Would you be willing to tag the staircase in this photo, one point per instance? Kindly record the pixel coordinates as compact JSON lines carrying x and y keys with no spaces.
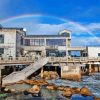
{"x":23,"y":74}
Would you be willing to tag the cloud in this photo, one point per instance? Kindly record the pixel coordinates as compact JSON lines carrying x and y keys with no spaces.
{"x":94,"y":27}
{"x":81,"y":35}
{"x":85,"y":41}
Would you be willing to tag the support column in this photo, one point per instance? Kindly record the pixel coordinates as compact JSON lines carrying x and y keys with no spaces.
{"x":1,"y":67}
{"x":99,"y":68}
{"x":96,"y":68}
{"x":14,"y":68}
{"x":42,"y":72}
{"x":90,"y":68}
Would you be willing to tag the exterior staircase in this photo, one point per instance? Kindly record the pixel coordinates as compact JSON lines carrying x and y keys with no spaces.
{"x":23,"y":74}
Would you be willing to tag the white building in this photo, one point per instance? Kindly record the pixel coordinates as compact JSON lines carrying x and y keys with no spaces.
{"x":11,"y":42}
{"x":49,"y":45}
{"x":93,"y":51}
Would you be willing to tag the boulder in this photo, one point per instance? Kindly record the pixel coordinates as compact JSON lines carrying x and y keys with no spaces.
{"x":35,"y":89}
{"x":85,"y":91}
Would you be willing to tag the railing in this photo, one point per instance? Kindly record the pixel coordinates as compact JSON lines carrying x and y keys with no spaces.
{"x":17,"y":60}
{"x":51,"y":59}
{"x":73,"y":59}
{"x":51,"y":47}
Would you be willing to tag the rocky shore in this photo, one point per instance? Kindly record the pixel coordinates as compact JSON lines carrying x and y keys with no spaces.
{"x":66,"y":91}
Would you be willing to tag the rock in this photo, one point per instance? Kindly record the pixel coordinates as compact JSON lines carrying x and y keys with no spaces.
{"x":85,"y":91}
{"x":19,"y":82}
{"x":67,"y":92}
{"x":35,"y":89}
{"x":12,"y":90}
{"x":76,"y":90}
{"x":61,"y":88}
{"x":95,"y":98}
{"x":51,"y":87}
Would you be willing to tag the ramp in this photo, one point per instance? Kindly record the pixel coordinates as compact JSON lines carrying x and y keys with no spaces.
{"x":23,"y":74}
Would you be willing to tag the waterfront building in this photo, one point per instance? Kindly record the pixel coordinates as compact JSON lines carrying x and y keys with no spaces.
{"x":48,"y":45}
{"x":93,"y":51}
{"x":14,"y":42}
{"x":11,"y":42}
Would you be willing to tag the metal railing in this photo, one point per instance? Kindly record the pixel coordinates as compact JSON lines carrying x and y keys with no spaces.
{"x":51,"y":59}
{"x":73,"y":59}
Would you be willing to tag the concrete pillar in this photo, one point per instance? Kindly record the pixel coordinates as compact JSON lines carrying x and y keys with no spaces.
{"x":99,"y":68}
{"x":14,"y":68}
{"x":90,"y":68}
{"x":69,"y":53}
{"x":42,"y":72}
{"x":0,"y":78}
{"x":96,"y":68}
{"x":1,"y":67}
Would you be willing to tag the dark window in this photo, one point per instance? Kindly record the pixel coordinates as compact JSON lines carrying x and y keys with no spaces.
{"x":99,"y":54}
{"x":21,"y":40}
{"x":37,"y":42}
{"x":1,"y":50}
{"x":1,"y":38}
{"x":27,"y":42}
{"x":56,"y":42}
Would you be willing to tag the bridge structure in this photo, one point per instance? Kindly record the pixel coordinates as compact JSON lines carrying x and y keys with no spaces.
{"x":29,"y":60}
{"x":34,"y":65}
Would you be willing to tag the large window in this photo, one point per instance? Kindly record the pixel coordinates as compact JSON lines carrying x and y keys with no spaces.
{"x":1,"y":51}
{"x":56,"y":42}
{"x":37,"y":42}
{"x":98,"y":54}
{"x":27,"y":42}
{"x":1,"y":38}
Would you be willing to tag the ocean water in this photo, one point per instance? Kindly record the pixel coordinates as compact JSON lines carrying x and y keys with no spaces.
{"x":88,"y":81}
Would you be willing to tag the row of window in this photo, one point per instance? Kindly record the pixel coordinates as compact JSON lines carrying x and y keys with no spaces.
{"x":49,"y":42}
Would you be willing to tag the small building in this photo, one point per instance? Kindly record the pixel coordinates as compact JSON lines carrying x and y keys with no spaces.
{"x":93,"y":51}
{"x":11,"y":42}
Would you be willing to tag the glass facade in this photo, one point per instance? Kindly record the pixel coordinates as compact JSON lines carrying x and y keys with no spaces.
{"x":56,"y":42}
{"x":27,"y":42}
{"x":1,"y":38}
{"x":37,"y":42}
{"x":55,"y":53}
{"x":34,"y":42}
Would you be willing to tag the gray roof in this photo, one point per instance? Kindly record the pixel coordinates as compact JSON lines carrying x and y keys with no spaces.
{"x":46,"y":36}
{"x":17,"y":28}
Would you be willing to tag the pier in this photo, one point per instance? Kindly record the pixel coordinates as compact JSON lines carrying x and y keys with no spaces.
{"x":92,"y":66}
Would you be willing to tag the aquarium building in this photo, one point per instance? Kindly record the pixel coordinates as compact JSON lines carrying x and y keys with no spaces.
{"x":48,"y":45}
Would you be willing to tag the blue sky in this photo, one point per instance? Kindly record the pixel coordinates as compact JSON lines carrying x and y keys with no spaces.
{"x":82,"y":17}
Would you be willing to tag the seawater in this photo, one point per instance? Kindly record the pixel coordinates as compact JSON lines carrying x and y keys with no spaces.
{"x":88,"y":81}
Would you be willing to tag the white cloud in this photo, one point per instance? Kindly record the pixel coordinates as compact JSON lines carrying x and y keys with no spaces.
{"x":77,"y":29}
{"x":85,"y":41}
{"x":94,"y":27}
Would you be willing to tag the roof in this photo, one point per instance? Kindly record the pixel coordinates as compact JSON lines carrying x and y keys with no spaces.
{"x":46,"y":36}
{"x":17,"y":28}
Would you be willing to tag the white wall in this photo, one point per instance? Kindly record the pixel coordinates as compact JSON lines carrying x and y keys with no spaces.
{"x":9,"y":43}
{"x":93,"y":51}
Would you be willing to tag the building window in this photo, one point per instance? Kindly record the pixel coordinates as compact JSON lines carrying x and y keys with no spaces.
{"x":21,"y":40}
{"x":56,"y":42}
{"x":1,"y":51}
{"x":1,"y":38}
{"x":98,"y":54}
{"x":37,"y":42}
{"x":27,"y":42}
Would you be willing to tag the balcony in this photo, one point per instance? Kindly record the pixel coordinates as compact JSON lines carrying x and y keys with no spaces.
{"x":52,"y":47}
